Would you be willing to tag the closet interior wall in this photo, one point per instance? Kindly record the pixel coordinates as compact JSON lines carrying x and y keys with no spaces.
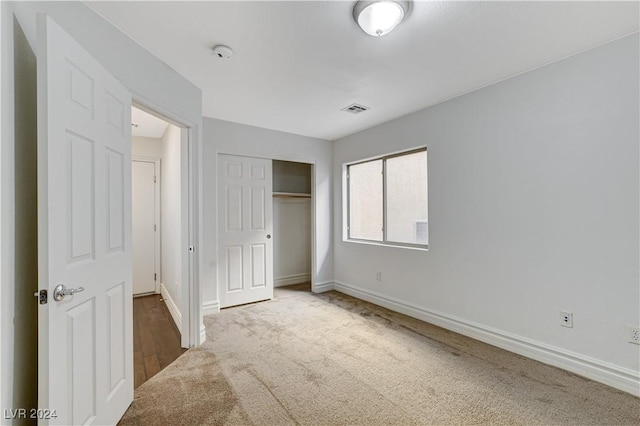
{"x":291,"y":223}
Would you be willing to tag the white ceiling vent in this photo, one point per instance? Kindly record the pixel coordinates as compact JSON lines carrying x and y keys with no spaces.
{"x":356,"y":109}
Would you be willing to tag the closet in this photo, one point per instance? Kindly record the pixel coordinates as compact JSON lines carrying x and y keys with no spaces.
{"x":291,"y":223}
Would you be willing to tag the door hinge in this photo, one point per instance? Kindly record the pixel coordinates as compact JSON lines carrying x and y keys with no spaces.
{"x":42,"y":296}
{"x":154,"y":228}
{"x":155,"y":277}
{"x":154,"y":179}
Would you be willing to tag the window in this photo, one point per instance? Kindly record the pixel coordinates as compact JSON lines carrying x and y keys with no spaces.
{"x":387,"y":200}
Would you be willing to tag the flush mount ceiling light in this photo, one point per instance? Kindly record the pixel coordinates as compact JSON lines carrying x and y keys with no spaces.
{"x":379,"y":17}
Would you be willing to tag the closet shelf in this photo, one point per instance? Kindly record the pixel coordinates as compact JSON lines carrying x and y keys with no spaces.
{"x":291,"y":195}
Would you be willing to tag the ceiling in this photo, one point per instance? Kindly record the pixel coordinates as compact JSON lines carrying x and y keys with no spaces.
{"x":147,"y":125}
{"x":297,"y":64}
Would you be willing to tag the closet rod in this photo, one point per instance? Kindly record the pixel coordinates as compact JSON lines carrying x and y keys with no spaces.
{"x":291,"y":195}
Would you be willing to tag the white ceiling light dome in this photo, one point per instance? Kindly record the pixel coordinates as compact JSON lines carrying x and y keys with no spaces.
{"x":379,"y":17}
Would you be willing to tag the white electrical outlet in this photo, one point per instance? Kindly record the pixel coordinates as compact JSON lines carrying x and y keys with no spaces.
{"x":378,"y":276}
{"x":633,"y":334}
{"x":566,"y":319}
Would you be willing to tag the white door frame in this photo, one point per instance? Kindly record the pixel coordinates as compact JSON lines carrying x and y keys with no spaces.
{"x":192,"y":333}
{"x":157,"y":238}
{"x":314,"y":273}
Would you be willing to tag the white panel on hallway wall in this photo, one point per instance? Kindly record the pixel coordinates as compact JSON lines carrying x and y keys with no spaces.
{"x":292,"y":240}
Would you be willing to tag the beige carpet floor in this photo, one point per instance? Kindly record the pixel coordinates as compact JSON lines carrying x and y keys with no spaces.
{"x":330,"y":359}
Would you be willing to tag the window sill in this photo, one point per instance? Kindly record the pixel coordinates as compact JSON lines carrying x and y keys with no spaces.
{"x":390,"y":245}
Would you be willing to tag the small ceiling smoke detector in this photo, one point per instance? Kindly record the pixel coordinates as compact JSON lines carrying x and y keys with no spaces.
{"x":356,"y":109}
{"x":223,"y":52}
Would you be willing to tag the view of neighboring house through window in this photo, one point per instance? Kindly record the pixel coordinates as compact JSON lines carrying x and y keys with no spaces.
{"x":387,"y":199}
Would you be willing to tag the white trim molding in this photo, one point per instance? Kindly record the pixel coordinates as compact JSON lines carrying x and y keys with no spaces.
{"x":203,"y":333}
{"x":191,"y":229}
{"x":292,"y":279}
{"x":173,"y":308}
{"x":323,"y":286}
{"x":621,"y":378}
{"x":210,"y":307}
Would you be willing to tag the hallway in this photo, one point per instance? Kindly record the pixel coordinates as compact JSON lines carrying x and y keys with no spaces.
{"x":156,"y":339}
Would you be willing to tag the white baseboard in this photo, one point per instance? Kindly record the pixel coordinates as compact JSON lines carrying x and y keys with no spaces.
{"x":323,"y":286}
{"x":612,"y":375}
{"x":210,"y":307}
{"x":291,"y":279}
{"x":203,"y":334}
{"x":173,"y":308}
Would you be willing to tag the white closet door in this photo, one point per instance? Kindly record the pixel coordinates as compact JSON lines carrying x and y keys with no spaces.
{"x":245,"y":260}
{"x":144,"y":226}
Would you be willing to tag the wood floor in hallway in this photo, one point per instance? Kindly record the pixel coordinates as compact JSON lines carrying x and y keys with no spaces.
{"x":156,"y":339}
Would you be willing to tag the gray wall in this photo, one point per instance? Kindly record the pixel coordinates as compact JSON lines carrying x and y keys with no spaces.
{"x":171,"y":215}
{"x":19,"y":218}
{"x":533,"y":198}
{"x":291,"y":224}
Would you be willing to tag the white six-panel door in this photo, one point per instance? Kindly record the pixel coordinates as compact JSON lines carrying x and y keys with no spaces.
{"x":85,"y":354}
{"x":245,"y":225}
{"x":143,"y":175}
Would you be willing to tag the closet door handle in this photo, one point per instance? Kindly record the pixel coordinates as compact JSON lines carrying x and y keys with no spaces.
{"x":268,"y":236}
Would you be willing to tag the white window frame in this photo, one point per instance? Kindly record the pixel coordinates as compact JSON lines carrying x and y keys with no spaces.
{"x":346,"y":202}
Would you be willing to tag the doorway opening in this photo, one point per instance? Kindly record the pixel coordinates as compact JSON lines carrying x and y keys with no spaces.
{"x":160,"y":264}
{"x":292,"y":225}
